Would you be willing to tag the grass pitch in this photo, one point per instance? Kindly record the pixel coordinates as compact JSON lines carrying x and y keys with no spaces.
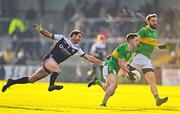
{"x":78,"y":99}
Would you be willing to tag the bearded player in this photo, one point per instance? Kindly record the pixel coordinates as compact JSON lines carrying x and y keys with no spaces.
{"x":142,"y":59}
{"x":64,"y":48}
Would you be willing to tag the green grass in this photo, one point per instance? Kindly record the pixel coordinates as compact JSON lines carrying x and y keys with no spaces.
{"x":77,"y":98}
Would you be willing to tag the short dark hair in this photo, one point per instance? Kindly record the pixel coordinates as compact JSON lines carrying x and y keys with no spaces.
{"x":131,"y":36}
{"x":76,"y":31}
{"x":148,"y":17}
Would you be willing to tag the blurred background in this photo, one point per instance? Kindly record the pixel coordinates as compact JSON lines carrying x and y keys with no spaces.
{"x":103,"y":22}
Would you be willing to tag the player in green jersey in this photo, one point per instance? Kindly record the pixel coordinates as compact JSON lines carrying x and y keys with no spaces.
{"x":118,"y":61}
{"x":142,"y":57}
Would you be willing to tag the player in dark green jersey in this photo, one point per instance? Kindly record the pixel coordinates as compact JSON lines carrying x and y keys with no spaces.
{"x":118,"y":61}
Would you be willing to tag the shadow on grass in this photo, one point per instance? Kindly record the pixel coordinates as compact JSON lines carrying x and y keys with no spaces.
{"x":169,"y":108}
{"x":27,"y":108}
{"x":94,"y":108}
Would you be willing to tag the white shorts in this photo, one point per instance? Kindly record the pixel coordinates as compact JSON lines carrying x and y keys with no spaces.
{"x":141,"y":62}
{"x":108,"y":70}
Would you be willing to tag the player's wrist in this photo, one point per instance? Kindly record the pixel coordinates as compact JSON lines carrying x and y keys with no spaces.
{"x":41,"y":30}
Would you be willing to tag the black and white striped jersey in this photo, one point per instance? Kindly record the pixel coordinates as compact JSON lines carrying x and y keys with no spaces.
{"x":63,"y":49}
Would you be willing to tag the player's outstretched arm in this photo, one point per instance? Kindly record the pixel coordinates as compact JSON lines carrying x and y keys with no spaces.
{"x":44,"y":32}
{"x":94,"y":60}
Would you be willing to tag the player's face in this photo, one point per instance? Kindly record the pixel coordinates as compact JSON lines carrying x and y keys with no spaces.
{"x":153,"y":22}
{"x":102,"y":38}
{"x":134,"y":42}
{"x":77,"y":38}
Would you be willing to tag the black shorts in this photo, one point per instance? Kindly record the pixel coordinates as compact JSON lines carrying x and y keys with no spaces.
{"x":48,"y":56}
{"x":44,"y":59}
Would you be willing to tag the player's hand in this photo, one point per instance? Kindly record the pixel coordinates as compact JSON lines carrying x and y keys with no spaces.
{"x":164,"y":46}
{"x":122,"y":74}
{"x":37,"y":27}
{"x":108,"y":57}
{"x":131,"y":76}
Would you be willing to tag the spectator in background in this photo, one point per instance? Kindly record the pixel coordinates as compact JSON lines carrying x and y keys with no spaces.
{"x":29,"y":43}
{"x":169,"y":19}
{"x":21,"y":59}
{"x":68,"y":12}
{"x":78,"y":19}
{"x":31,"y":14}
{"x":16,"y":23}
{"x":98,"y":49}
{"x":16,"y":28}
{"x":166,"y":33}
{"x":2,"y":72}
{"x":7,"y":57}
{"x":175,"y":60}
{"x":103,"y":11}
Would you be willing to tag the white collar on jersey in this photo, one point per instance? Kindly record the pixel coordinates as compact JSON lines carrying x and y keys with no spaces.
{"x":72,"y":44}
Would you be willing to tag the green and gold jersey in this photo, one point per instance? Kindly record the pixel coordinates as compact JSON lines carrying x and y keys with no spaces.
{"x":148,"y":41}
{"x":122,"y":52}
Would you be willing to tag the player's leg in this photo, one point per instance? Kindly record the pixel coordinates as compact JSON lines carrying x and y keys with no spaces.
{"x":52,"y":67}
{"x":37,"y":75}
{"x":111,"y":80}
{"x":141,"y":61}
{"x":148,"y":71}
{"x":150,"y":77}
{"x":97,"y":81}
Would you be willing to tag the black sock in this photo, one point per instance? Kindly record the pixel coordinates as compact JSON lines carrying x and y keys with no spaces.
{"x":22,"y":80}
{"x":53,"y":78}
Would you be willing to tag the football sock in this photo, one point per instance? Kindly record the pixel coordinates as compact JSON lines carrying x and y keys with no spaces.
{"x":53,"y":78}
{"x":22,"y":80}
{"x":156,"y":97}
{"x":104,"y":101}
{"x":98,"y":82}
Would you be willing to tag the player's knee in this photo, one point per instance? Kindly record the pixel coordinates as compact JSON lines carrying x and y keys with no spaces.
{"x":57,"y":71}
{"x":152,"y":82}
{"x":151,"y":79}
{"x":114,"y":85}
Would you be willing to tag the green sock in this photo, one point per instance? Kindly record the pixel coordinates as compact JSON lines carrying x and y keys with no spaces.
{"x":156,"y":97}
{"x":104,"y":101}
{"x":98,"y":82}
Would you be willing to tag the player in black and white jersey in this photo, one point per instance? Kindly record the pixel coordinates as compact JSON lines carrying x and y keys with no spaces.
{"x":62,"y":50}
